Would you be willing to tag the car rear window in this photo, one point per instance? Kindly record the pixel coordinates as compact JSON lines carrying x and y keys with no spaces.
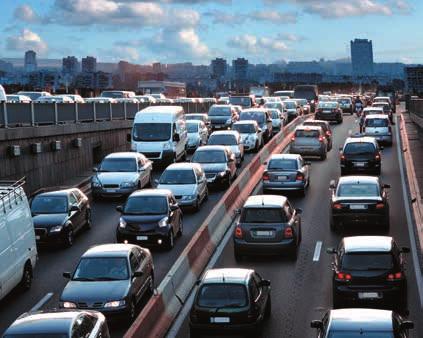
{"x":367,"y":261}
{"x":283,"y":164}
{"x":252,"y":115}
{"x":357,"y":148}
{"x":376,"y":123}
{"x":344,"y":101}
{"x":358,"y":190}
{"x":182,"y":176}
{"x":327,"y":105}
{"x":263,"y":215}
{"x":359,"y":333}
{"x":315,"y":124}
{"x":220,"y":111}
{"x":222,"y":295}
{"x":307,"y":133}
{"x":223,"y":140}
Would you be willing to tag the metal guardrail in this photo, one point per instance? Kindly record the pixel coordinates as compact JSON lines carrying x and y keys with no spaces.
{"x":9,"y":190}
{"x":33,"y":114}
{"x":415,"y":108}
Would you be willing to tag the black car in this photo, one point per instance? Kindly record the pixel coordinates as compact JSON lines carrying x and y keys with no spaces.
{"x":369,"y":270}
{"x":268,"y":225}
{"x":360,"y":323}
{"x":59,"y":324}
{"x":110,"y":278}
{"x":222,"y":116}
{"x":230,"y":301}
{"x":359,"y":200}
{"x":326,"y":128}
{"x":329,"y":111}
{"x":59,"y":215}
{"x":151,"y":217}
{"x":360,"y":155}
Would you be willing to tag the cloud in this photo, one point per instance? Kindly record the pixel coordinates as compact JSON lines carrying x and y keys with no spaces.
{"x":255,"y":45}
{"x":25,"y":41}
{"x":291,"y":37}
{"x":26,"y":14}
{"x":120,"y":52}
{"x":275,"y":17}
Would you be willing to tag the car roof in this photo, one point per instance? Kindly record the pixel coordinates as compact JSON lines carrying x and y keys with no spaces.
{"x":326,"y":102}
{"x":228,"y":275}
{"x":318,"y":122}
{"x":151,"y":192}
{"x":208,"y":147}
{"x":63,"y":192}
{"x":302,"y":127}
{"x":382,"y":97}
{"x":222,"y":105}
{"x":262,"y":110}
{"x":123,"y":154}
{"x":284,"y":157}
{"x":183,"y":166}
{"x":162,"y":109}
{"x":193,"y":121}
{"x":377,"y":116}
{"x":109,"y":250}
{"x":363,"y":139}
{"x":225,"y":132}
{"x":265,"y":201}
{"x":194,"y":114}
{"x":246,"y":122}
{"x":360,"y":320}
{"x":358,"y":179}
{"x":373,"y":108}
{"x":367,"y":244}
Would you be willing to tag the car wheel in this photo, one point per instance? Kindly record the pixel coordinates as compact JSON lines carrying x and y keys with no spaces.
{"x":150,"y":181}
{"x":238,"y":257}
{"x":26,"y":280}
{"x":294,"y":253}
{"x":343,"y":172}
{"x":333,"y":225}
{"x":131,"y":311}
{"x":184,"y":156}
{"x":257,"y":147}
{"x":268,"y":310}
{"x":88,"y":222}
{"x":197,"y":204}
{"x":386,"y":224}
{"x":170,"y":242}
{"x":206,"y":196}
{"x":181,"y":227}
{"x":378,"y":172}
{"x":69,"y":236}
{"x":302,"y":192}
{"x":323,"y":156}
{"x":336,"y":302}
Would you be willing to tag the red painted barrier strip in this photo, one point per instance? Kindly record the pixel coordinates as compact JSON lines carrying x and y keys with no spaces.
{"x":254,"y":166}
{"x":198,"y":249}
{"x":231,"y":197}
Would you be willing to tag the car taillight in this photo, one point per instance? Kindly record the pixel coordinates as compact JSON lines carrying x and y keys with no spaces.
{"x":377,"y":157}
{"x":343,"y":277}
{"x":238,"y":232}
{"x":288,"y":233}
{"x":342,"y":157}
{"x":337,"y":206}
{"x":380,"y":206}
{"x":394,"y":276}
{"x":328,"y":133}
{"x":299,"y":177}
{"x":321,"y":138}
{"x":292,"y":138}
{"x":265,"y":176}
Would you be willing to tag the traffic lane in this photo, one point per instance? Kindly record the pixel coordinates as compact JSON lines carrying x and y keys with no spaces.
{"x":53,"y":262}
{"x":301,"y":290}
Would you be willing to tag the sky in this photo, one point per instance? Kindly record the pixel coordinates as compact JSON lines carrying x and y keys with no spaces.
{"x":171,"y":31}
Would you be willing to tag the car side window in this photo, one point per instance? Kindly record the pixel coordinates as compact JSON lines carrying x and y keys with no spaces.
{"x":287,"y":211}
{"x":140,"y":255}
{"x":83,"y":326}
{"x":134,"y":262}
{"x":253,"y":289}
{"x":78,"y":195}
{"x":72,"y":199}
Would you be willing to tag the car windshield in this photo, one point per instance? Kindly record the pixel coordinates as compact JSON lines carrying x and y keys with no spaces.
{"x":263,"y":215}
{"x":244,"y":128}
{"x":282,"y":164}
{"x":32,"y":96}
{"x":274,"y":105}
{"x":101,"y":269}
{"x":240,"y":101}
{"x":192,"y":127}
{"x":49,"y":205}
{"x":290,"y":105}
{"x":367,"y":261}
{"x":150,"y":132}
{"x":223,"y":140}
{"x":359,"y":333}
{"x":194,"y":117}
{"x":253,"y":115}
{"x":220,"y":111}
{"x":37,"y":335}
{"x":127,"y":165}
{"x":376,"y":123}
{"x":112,"y":95}
{"x":178,"y":176}
{"x":327,"y":105}
{"x":222,"y":295}
{"x":359,"y":148}
{"x":344,"y":101}
{"x":358,"y":190}
{"x":146,"y":205}
{"x":209,"y":156}
{"x":307,"y":133}
{"x":275,"y":114}
{"x":305,"y":94}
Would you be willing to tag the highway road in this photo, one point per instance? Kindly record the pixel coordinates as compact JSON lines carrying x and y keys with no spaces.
{"x":53,"y":262}
{"x":301,"y":290}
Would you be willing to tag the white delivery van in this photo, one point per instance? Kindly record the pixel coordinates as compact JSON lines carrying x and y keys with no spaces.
{"x":18,"y":250}
{"x":159,"y":132}
{"x":3,"y":97}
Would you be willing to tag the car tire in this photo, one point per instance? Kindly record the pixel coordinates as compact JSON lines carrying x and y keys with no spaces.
{"x":386,"y":224}
{"x":378,"y":172}
{"x":194,"y":333}
{"x":69,"y":237}
{"x":170,"y":241}
{"x":206,"y":196}
{"x":343,"y":172}
{"x":302,"y":192}
{"x":197,"y":204}
{"x":333,"y":225}
{"x":337,"y":304}
{"x":238,"y":257}
{"x":181,"y":228}
{"x":150,"y":181}
{"x":257,"y":147}
{"x":323,"y":156}
{"x":26,"y":281}
{"x":294,"y":253}
{"x":184,"y":156}
{"x":88,"y":222}
{"x":268,"y":310}
{"x":131,"y":311}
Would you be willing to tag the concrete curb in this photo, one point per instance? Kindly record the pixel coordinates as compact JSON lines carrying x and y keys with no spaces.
{"x":157,"y":316}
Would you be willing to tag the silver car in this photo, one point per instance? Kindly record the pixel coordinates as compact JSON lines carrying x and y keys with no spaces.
{"x":378,"y":126}
{"x":278,"y":120}
{"x":120,"y":174}
{"x":251,"y":134}
{"x":197,"y":134}
{"x":231,"y":139}
{"x":309,"y":141}
{"x":187,"y":182}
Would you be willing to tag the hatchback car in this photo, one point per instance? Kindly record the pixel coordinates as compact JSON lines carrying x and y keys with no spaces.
{"x":379,"y":127}
{"x":372,"y":111}
{"x":187,"y":182}
{"x":120,"y":174}
{"x":200,"y":117}
{"x":59,"y":215}
{"x":251,"y":134}
{"x":151,"y":217}
{"x":264,"y":119}
{"x":59,"y":324}
{"x":197,"y":134}
{"x":329,"y":111}
{"x":360,"y":155}
{"x":231,"y":139}
{"x":278,"y":120}
{"x":369,"y":270}
{"x":293,"y":109}
{"x":326,"y":129}
{"x":360,"y":323}
{"x":268,"y":224}
{"x":309,"y":141}
{"x":359,"y":200}
{"x":230,"y":301}
{"x":346,"y":104}
{"x":218,"y":163}
{"x":222,"y":116}
{"x":286,"y":172}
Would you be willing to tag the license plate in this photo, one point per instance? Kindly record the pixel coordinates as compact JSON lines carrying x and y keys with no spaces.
{"x":209,"y":180}
{"x":142,"y":238}
{"x":264,"y":233}
{"x":327,"y":111}
{"x":37,"y":238}
{"x":220,"y":320}
{"x":369,"y":295}
{"x":111,"y":190}
{"x":282,"y":178}
{"x":359,"y":164}
{"x":358,"y":206}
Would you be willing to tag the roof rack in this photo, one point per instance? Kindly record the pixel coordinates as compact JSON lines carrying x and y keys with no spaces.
{"x":9,"y":190}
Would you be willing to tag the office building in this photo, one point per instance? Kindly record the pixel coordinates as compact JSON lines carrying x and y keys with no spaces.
{"x":218,"y":67}
{"x":240,"y":69}
{"x":89,"y":64}
{"x":414,"y":80}
{"x":362,"y":57}
{"x":70,"y":65}
{"x":30,"y":63}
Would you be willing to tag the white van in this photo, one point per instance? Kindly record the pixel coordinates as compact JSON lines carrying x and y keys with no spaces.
{"x":3,"y":97}
{"x":18,"y":250}
{"x":160,"y":133}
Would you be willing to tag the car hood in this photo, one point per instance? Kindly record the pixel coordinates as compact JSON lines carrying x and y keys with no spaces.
{"x":179,"y":189}
{"x":213,"y":167}
{"x":49,"y":220}
{"x":245,"y":136}
{"x":101,"y":291}
{"x":290,"y":111}
{"x":116,"y":178}
{"x":219,"y":119}
{"x":193,"y":137}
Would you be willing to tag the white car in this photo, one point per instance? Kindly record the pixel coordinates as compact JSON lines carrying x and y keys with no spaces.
{"x":197,"y":134}
{"x":379,"y":127}
{"x":231,"y":139}
{"x":278,"y":120}
{"x":127,"y":100}
{"x":372,"y":110}
{"x":33,"y":95}
{"x":54,"y":99}
{"x":100,"y":100}
{"x":76,"y":98}
{"x":15,"y":98}
{"x":145,"y":99}
{"x":251,"y":134}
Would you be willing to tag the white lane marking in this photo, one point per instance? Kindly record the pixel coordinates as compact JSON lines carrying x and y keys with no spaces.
{"x":42,"y":302}
{"x":410,"y":224}
{"x":317,"y":251}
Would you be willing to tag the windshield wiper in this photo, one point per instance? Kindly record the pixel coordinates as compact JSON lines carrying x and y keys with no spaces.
{"x":84,"y":279}
{"x":225,"y":306}
{"x":107,"y":278}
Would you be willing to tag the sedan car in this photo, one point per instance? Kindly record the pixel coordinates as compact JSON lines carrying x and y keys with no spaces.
{"x":379,"y":127}
{"x":326,"y":129}
{"x":231,"y":139}
{"x":329,"y":111}
{"x":151,"y":217}
{"x":309,"y":141}
{"x":285,"y":172}
{"x":120,"y":174}
{"x":235,"y":301}
{"x":268,"y":225}
{"x":222,"y":116}
{"x":358,"y":200}
{"x":197,"y":134}
{"x":360,"y":155}
{"x":293,"y":109}
{"x":187,"y":182}
{"x":251,"y":134}
{"x":360,"y":323}
{"x":59,"y":324}
{"x":110,"y":278}
{"x":59,"y":215}
{"x":369,"y":270}
{"x":14,"y":98}
{"x":219,"y":164}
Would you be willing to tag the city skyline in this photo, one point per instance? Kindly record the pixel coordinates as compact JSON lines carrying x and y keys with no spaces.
{"x":173,"y":31}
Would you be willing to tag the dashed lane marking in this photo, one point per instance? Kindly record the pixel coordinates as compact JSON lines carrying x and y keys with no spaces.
{"x":317,"y":251}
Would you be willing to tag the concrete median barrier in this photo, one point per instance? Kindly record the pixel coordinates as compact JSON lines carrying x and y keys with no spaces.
{"x":159,"y":313}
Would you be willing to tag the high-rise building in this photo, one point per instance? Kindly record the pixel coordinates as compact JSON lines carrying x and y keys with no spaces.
{"x":30,"y":64}
{"x":157,"y":67}
{"x":240,"y":69}
{"x":70,"y":65}
{"x":362,"y":57}
{"x":89,"y":64}
{"x":414,"y":79}
{"x":218,"y":67}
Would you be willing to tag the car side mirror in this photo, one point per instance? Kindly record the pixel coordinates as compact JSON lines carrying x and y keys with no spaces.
{"x":332,"y":184}
{"x":407,"y":325}
{"x":405,"y":249}
{"x":381,"y":147}
{"x":174,"y":207}
{"x":176,"y":137}
{"x":331,"y":251}
{"x":316,"y":324}
{"x":95,"y":170}
{"x":259,"y":130}
{"x":265,"y":283}
{"x":119,"y":208}
{"x":238,"y":211}
{"x":299,"y":211}
{"x":198,"y":282}
{"x":74,"y":208}
{"x":138,"y":274}
{"x":128,"y":137}
{"x":67,"y":275}
{"x":386,"y":186}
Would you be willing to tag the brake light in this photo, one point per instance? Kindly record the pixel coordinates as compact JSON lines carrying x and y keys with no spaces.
{"x":394,"y":276}
{"x":299,"y":177}
{"x":337,"y":206}
{"x":238,"y":232}
{"x":342,"y":157}
{"x":266,"y":176}
{"x":343,"y":277}
{"x":328,"y":133}
{"x":288,"y":233}
{"x":292,"y":138}
{"x":321,"y":138}
{"x":380,"y":206}
{"x":377,"y":157}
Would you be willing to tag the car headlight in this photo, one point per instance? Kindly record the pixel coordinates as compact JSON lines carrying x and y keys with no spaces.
{"x":189,"y":197}
{"x":69,"y":305}
{"x":163,"y":222}
{"x":115,"y":303}
{"x":228,"y":121}
{"x":56,"y":228}
{"x":96,"y":183}
{"x":133,"y":147}
{"x":127,"y":184}
{"x":222,"y":174}
{"x":122,"y":223}
{"x":168,"y":145}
